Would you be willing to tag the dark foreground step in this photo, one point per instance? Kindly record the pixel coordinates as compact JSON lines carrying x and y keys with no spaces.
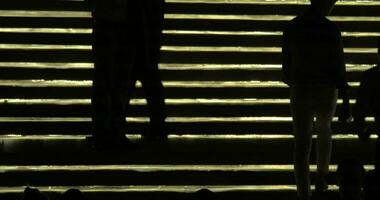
{"x":183,"y":150}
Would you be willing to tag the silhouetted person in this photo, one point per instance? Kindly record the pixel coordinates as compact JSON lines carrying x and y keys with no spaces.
{"x":372,"y":185}
{"x":126,"y":49}
{"x":367,"y":102}
{"x":313,"y":67}
{"x":33,"y":194}
{"x":350,"y":176}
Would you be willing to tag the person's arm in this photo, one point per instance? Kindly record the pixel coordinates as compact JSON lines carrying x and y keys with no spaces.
{"x":286,"y":65}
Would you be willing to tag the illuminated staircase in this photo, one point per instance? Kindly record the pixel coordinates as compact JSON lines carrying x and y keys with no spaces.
{"x":229,"y":121}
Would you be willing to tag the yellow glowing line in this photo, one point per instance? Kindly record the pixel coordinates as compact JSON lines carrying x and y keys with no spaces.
{"x":180,"y":136}
{"x":268,"y":17}
{"x":47,"y":65}
{"x":250,"y":49}
{"x":156,"y":168}
{"x":273,"y":2}
{"x":47,"y":30}
{"x":85,"y":14}
{"x":52,"y":14}
{"x":173,"y":48}
{"x":198,"y":84}
{"x":143,"y":101}
{"x":184,"y":101}
{"x":169,"y":119}
{"x":45,"y":47}
{"x":166,"y":66}
{"x":158,"y":188}
{"x":182,"y":84}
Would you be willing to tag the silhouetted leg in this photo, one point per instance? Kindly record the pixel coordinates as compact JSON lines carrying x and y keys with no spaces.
{"x":104,"y":48}
{"x":325,"y":106}
{"x":112,"y":60}
{"x":154,"y":92}
{"x":302,"y":125}
{"x":124,"y":80}
{"x":150,"y":75}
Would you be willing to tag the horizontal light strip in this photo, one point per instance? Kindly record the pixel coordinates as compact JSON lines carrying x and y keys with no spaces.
{"x":250,"y":49}
{"x":188,"y":32}
{"x":143,"y":101}
{"x":23,"y":137}
{"x":47,"y":65}
{"x":160,"y":188}
{"x":166,"y":66}
{"x":258,"y":33}
{"x":165,"y":168}
{"x":268,"y":17}
{"x":276,"y":2}
{"x":184,"y":101}
{"x":169,"y":119}
{"x":44,"y":47}
{"x":198,"y":84}
{"x":47,"y":30}
{"x":182,"y":84}
{"x":171,"y":48}
{"x":52,"y":14}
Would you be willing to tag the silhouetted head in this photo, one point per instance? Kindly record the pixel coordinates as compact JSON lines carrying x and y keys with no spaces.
{"x":350,"y":179}
{"x":372,"y":185}
{"x":323,"y":6}
{"x":72,"y":194}
{"x":204,"y":194}
{"x":33,"y":194}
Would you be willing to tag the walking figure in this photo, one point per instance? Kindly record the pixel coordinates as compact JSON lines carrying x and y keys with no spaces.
{"x":314,"y":69}
{"x":126,"y":47}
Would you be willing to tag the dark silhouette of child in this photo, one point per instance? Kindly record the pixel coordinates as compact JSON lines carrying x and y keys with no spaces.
{"x":127,"y":39}
{"x":314,"y":69}
{"x":367,"y":103}
{"x":350,"y":176}
{"x":33,"y":194}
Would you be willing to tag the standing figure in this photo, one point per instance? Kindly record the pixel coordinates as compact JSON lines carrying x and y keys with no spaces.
{"x":126,"y":48}
{"x":368,"y":101}
{"x":313,"y":67}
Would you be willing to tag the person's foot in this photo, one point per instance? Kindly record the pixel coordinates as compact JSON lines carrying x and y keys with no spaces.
{"x":321,"y":185}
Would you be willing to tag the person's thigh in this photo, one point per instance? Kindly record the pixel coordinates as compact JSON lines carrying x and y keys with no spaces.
{"x":324,"y":105}
{"x":301,"y":112}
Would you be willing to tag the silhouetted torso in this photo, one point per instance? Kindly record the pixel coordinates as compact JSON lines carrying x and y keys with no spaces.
{"x":312,"y":52}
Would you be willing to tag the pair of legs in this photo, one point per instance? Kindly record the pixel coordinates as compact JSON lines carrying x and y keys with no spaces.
{"x":311,"y":102}
{"x":123,"y":56}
